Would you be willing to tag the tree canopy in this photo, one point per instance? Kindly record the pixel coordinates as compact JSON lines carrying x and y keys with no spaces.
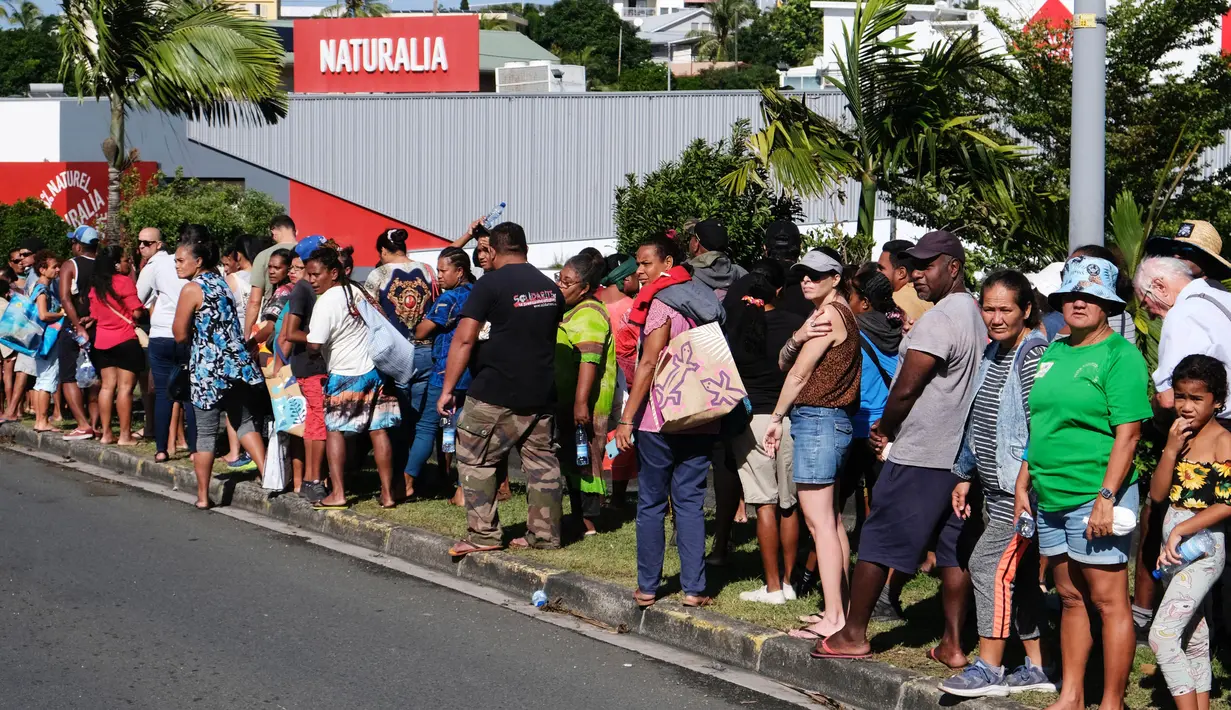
{"x":575,"y":25}
{"x":27,"y":57}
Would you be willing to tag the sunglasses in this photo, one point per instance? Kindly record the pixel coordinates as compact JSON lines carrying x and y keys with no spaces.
{"x":145,"y":243}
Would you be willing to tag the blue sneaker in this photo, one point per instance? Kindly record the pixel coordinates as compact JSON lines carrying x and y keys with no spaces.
{"x":978,"y":680}
{"x":243,"y":463}
{"x":1029,"y":677}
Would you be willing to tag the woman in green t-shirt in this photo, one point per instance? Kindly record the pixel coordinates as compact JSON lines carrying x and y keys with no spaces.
{"x":1086,"y":408}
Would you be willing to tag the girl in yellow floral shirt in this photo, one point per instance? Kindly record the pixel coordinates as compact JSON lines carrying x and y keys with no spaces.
{"x":1198,"y":451}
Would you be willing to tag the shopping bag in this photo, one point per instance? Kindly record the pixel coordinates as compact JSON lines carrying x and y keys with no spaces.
{"x":290,"y":408}
{"x":20,"y":327}
{"x":273,"y":478}
{"x":695,"y":381}
{"x":87,"y":376}
{"x":51,"y":337}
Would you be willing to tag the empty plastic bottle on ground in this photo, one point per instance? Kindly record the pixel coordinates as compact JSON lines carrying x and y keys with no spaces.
{"x":1191,"y":550}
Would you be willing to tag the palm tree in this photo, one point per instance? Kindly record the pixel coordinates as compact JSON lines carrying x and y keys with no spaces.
{"x":903,"y":120}
{"x":718,"y":44}
{"x":489,"y":21}
{"x":359,"y":8}
{"x":25,"y":15}
{"x":185,"y":58}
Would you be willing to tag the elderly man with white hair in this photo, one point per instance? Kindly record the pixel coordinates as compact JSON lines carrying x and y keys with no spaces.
{"x":1196,"y":320}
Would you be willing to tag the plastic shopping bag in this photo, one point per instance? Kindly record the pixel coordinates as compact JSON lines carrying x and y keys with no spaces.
{"x":274,"y":476}
{"x":87,"y":376}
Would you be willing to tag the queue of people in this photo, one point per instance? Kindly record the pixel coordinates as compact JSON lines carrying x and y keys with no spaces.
{"x":990,"y":435}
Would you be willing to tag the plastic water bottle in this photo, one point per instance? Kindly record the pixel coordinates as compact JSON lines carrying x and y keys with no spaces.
{"x":583,"y":446}
{"x":539,"y":599}
{"x":1025,"y":526}
{"x":1194,"y":548}
{"x":448,"y":435}
{"x":493,"y":217}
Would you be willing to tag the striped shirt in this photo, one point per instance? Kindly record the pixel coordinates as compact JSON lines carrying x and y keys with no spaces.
{"x":984,"y":414}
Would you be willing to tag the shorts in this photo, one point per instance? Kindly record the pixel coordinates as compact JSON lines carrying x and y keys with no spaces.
{"x":67,"y":351}
{"x":1063,"y":532}
{"x":25,"y":363}
{"x":234,"y":406}
{"x":822,"y":437}
{"x":912,"y":508}
{"x":355,"y":404}
{"x":128,"y":355}
{"x":47,"y":377}
{"x":766,"y":479}
{"x":313,"y":390}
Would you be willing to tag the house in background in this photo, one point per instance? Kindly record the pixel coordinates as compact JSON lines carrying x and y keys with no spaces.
{"x":672,"y":37}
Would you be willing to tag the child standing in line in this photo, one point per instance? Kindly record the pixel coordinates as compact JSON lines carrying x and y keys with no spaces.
{"x":1194,"y":475}
{"x":46,"y":367}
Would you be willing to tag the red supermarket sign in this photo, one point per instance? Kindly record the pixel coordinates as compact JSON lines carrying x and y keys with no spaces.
{"x":76,"y":191}
{"x":394,"y":55}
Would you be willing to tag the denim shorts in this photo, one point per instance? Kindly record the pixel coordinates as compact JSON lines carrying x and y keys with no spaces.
{"x":1062,"y":532}
{"x":822,"y":436}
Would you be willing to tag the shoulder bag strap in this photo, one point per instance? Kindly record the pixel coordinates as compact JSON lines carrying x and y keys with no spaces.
{"x":871,"y":351}
{"x":1211,"y":299}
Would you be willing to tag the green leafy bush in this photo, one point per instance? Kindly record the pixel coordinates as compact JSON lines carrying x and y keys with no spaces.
{"x":31,"y":218}
{"x":227,"y":209}
{"x":687,"y":188}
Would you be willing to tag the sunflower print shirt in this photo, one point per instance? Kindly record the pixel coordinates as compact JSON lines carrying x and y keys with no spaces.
{"x":1200,"y":485}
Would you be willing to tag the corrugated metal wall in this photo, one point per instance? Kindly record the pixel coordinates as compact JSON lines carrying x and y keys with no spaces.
{"x":437,"y":161}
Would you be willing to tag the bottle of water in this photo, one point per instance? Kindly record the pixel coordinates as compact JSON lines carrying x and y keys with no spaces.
{"x":539,"y":599}
{"x":1025,"y":525}
{"x":1194,"y":548}
{"x":493,"y":217}
{"x":583,"y":446}
{"x":448,"y":435}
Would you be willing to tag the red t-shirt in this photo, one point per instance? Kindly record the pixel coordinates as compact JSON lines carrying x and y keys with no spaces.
{"x":115,"y":327}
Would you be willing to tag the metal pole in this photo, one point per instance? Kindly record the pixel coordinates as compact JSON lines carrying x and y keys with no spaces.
{"x":1088,"y":156}
{"x":669,"y":58}
{"x":620,"y":51}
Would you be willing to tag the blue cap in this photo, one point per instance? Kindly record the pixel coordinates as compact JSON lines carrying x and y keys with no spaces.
{"x":1093,"y":278}
{"x":84,"y":234}
{"x":307,"y":245}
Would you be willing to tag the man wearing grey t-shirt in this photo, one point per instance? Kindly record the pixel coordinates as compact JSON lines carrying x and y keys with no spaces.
{"x":919,"y":435}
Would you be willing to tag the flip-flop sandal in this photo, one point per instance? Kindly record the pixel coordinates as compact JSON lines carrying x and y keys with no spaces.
{"x":462,"y":548}
{"x":698,"y":602}
{"x":811,"y":619}
{"x":519,"y":543}
{"x":323,"y":506}
{"x":644,"y":601}
{"x":161,"y":457}
{"x":932,"y":655}
{"x":805,"y":634}
{"x":45,"y":431}
{"x":827,"y":652}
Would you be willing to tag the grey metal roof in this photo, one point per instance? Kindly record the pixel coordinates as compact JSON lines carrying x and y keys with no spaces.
{"x":436,"y":161}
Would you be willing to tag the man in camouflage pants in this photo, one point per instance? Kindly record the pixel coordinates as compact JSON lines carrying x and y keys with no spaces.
{"x":511,"y":397}
{"x":485,"y":434}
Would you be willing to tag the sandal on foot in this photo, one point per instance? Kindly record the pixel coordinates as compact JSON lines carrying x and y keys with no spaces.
{"x":161,"y":457}
{"x":824,"y":651}
{"x":805,"y":634}
{"x":461,"y":548}
{"x":811,"y":619}
{"x":327,"y":506}
{"x":697,"y":602}
{"x":644,"y":601}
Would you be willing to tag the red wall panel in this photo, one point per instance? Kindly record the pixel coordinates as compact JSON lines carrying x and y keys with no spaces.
{"x":317,"y":212}
{"x":76,"y":191}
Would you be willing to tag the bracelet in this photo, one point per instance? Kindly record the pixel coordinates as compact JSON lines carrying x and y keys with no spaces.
{"x":624,"y":423}
{"x":776,"y":417}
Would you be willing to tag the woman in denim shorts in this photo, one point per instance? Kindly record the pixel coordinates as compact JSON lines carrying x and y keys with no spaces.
{"x":823,"y":386}
{"x":1086,"y":408}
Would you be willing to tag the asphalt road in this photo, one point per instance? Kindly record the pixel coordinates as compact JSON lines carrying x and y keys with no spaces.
{"x":114,"y":598}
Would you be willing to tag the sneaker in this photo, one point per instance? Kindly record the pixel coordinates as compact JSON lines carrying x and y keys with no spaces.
{"x":312,"y":491}
{"x":886,"y":611}
{"x":1143,"y":634}
{"x":978,"y":680}
{"x":1028,"y":677}
{"x":243,"y":463}
{"x":79,"y":434}
{"x":789,"y":592}
{"x":764,"y":596}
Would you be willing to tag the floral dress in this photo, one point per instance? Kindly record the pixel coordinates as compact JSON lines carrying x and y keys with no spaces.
{"x":218,"y":354}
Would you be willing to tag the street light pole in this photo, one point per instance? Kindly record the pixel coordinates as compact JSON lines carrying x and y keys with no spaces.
{"x":670,"y":56}
{"x":1088,"y":156}
{"x":620,"y":51}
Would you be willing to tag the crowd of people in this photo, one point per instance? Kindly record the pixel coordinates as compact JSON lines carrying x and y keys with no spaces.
{"x":988,"y":435}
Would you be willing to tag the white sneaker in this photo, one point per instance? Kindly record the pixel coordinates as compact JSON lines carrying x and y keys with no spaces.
{"x":788,"y":592}
{"x":764,"y":596}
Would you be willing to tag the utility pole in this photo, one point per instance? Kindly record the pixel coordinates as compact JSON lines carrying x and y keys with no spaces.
{"x":1088,"y":156}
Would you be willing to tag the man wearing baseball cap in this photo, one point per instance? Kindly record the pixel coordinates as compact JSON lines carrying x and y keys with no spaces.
{"x":918,"y":436}
{"x":710,"y":264}
{"x":75,"y":278}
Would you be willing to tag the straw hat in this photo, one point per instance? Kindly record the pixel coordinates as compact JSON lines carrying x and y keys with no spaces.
{"x":1197,"y":241}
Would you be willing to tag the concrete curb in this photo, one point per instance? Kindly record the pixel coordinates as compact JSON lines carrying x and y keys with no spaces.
{"x":860,"y":684}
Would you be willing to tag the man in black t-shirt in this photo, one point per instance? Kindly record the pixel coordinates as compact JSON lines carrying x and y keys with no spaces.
{"x":511,"y":397}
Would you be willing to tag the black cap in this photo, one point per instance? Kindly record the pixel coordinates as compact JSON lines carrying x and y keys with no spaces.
{"x":933,"y":244}
{"x":32,"y":244}
{"x":711,"y":234}
{"x":782,"y":236}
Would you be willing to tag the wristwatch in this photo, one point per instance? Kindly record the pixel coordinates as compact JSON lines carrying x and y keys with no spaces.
{"x":1106,"y":493}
